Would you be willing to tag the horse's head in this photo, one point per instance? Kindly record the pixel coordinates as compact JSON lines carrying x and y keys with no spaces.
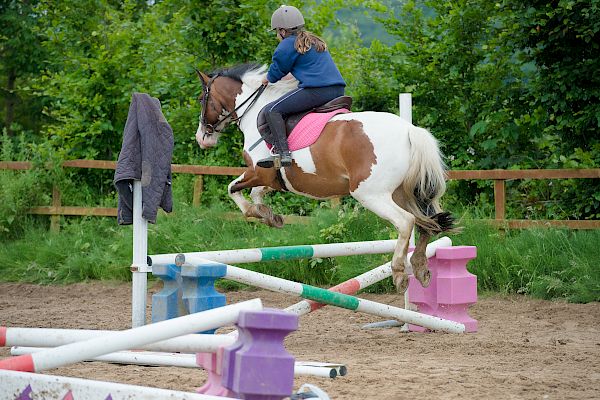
{"x":218,"y":104}
{"x":229,"y":94}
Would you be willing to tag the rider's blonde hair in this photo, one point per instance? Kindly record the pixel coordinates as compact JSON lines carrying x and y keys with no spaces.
{"x":305,"y":40}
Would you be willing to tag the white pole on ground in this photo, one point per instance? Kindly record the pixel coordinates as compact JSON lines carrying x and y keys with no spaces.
{"x":52,"y":387}
{"x":368,"y":278}
{"x":49,"y":337}
{"x":131,"y":338}
{"x":139,"y":266}
{"x":339,"y":299}
{"x":182,"y":360}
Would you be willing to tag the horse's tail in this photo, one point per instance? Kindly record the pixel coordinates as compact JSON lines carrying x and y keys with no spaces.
{"x":425,"y":183}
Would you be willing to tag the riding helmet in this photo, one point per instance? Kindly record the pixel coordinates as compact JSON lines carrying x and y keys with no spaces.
{"x":286,"y":17}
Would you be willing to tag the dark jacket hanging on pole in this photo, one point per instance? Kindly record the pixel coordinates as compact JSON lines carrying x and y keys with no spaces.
{"x":145,"y":155}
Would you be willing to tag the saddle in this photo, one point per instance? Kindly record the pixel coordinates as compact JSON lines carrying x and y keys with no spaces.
{"x":292,"y":120}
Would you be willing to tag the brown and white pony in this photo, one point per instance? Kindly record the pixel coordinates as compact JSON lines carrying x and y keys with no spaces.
{"x":390,"y":166}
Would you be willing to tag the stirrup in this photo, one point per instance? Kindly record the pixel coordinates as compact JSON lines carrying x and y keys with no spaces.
{"x":276,"y":161}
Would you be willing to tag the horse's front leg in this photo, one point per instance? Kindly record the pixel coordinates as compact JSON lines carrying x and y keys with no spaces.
{"x":234,"y":189}
{"x":257,"y":210}
{"x":257,"y":194}
{"x":265,"y":213}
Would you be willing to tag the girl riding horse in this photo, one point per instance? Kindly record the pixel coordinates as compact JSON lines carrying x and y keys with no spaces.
{"x":390,"y":166}
{"x":305,"y":56}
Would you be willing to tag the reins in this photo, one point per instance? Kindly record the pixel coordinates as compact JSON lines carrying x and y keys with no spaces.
{"x":254,"y":97}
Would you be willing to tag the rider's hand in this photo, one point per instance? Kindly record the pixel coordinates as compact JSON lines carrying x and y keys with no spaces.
{"x":265,"y":82}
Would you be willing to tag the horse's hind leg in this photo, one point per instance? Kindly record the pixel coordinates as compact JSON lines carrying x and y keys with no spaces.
{"x":418,"y":260}
{"x":383,"y":205}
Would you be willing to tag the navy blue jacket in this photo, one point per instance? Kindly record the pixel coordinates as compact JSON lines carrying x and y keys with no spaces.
{"x":312,"y":69}
{"x":145,"y":155}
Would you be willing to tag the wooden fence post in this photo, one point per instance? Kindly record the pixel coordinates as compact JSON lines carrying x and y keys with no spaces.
{"x":500,"y":198}
{"x":55,"y":217}
{"x":198,"y":188}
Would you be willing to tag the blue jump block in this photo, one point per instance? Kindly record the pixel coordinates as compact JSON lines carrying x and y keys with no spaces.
{"x":198,"y":284}
{"x":167,"y":303}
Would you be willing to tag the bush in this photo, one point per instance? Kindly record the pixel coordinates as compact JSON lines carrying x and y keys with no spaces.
{"x":20,"y":191}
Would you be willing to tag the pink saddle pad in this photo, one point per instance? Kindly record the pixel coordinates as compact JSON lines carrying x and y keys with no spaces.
{"x":309,"y":128}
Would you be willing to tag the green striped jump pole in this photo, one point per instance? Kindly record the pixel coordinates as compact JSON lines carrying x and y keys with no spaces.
{"x":352,"y":286}
{"x":241,"y":256}
{"x":337,"y":299}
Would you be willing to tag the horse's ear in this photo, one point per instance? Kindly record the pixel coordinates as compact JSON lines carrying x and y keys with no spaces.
{"x":203,"y":77}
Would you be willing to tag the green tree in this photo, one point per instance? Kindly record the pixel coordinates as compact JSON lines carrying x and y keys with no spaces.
{"x":464,"y":83}
{"x":21,"y":56}
{"x":562,"y":40}
{"x":101,"y":54}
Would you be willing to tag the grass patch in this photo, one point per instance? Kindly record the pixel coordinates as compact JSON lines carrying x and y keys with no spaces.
{"x":545,"y":263}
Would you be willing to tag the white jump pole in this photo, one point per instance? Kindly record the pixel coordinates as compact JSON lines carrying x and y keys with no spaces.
{"x":341,"y":300}
{"x":366,"y":279}
{"x":131,"y":338}
{"x":241,"y":256}
{"x":13,"y":384}
{"x":139,"y":267}
{"x":48,"y":337}
{"x":337,"y":299}
{"x":183,"y":360}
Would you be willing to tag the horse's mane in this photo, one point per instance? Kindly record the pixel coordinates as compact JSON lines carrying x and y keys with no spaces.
{"x":236,"y":72}
{"x":252,"y":75}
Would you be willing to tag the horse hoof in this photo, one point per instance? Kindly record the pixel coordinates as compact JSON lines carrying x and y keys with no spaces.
{"x":423,"y":276}
{"x":276,"y":221}
{"x":401,"y":282}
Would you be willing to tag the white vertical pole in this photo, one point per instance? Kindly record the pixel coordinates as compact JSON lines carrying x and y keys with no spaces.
{"x":406,"y":113}
{"x":405,"y":105}
{"x":139,"y":266}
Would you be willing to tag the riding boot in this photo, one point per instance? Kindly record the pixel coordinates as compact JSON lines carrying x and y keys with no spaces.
{"x":282,"y":156}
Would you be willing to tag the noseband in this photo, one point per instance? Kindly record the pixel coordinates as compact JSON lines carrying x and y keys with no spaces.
{"x":205,"y":100}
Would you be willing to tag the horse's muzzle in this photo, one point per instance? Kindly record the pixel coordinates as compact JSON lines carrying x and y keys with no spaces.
{"x":206,"y":140}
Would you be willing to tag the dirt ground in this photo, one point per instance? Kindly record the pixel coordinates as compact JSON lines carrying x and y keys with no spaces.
{"x":525,"y":349}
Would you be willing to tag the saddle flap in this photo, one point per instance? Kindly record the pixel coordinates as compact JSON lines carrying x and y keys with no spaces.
{"x":292,"y":120}
{"x":335,"y":104}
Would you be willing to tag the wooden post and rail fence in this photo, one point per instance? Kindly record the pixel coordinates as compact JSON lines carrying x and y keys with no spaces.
{"x":498,"y":176}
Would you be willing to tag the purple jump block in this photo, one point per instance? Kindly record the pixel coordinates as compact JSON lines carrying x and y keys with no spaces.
{"x":452,"y":289}
{"x":257,"y":366}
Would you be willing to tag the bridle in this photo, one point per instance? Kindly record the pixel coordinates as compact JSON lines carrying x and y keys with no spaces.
{"x":232,"y":114}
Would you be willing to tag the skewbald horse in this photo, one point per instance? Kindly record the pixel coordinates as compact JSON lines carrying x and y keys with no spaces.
{"x":390,"y":166}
